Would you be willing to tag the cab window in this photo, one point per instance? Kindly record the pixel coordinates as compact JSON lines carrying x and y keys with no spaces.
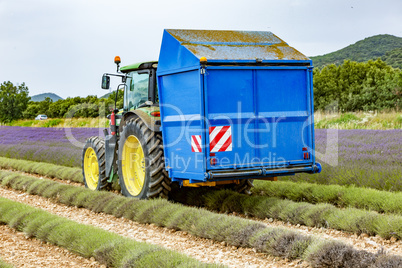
{"x":136,"y":92}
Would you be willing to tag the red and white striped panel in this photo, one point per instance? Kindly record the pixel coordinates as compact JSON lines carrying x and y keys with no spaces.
{"x":220,"y":139}
{"x":196,"y":143}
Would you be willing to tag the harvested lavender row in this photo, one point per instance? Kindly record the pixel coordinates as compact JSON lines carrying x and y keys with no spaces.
{"x":337,"y":195}
{"x":234,"y":231}
{"x":89,"y":241}
{"x":325,"y":215}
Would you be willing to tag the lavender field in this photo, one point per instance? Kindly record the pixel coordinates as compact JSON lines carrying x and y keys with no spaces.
{"x":53,"y":145}
{"x":364,"y":158}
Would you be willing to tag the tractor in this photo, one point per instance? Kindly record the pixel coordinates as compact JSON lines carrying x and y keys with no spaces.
{"x":219,"y":109}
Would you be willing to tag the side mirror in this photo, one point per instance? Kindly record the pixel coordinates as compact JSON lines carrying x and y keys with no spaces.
{"x":105,"y":81}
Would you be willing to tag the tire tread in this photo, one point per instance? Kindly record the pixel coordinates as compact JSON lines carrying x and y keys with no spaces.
{"x":98,"y":144}
{"x":159,"y":183}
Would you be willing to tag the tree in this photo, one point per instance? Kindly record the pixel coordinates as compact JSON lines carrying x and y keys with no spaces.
{"x":13,"y":101}
{"x":363,"y":86}
{"x":31,"y":111}
{"x":44,"y":105}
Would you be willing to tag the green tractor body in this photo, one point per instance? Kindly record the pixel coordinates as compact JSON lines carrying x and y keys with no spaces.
{"x":133,"y":151}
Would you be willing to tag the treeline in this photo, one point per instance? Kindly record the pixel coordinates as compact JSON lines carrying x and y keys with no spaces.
{"x":90,"y":106}
{"x":16,"y":104}
{"x":354,"y":86}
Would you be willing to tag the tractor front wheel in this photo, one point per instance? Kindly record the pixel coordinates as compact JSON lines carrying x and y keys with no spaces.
{"x":93,"y":164}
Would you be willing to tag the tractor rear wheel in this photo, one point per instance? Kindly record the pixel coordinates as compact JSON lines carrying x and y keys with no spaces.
{"x":93,"y":164}
{"x":141,"y":169}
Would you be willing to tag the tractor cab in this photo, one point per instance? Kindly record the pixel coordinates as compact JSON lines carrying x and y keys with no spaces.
{"x":140,"y":93}
{"x":140,"y":85}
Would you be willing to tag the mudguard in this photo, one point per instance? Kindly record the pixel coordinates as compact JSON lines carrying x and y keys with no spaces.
{"x":153,"y":123}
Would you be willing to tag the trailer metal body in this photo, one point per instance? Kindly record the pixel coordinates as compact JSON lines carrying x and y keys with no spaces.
{"x":234,"y":105}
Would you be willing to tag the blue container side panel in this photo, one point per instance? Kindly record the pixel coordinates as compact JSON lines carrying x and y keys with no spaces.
{"x":282,"y":90}
{"x":230,"y":103}
{"x":282,"y":99}
{"x":174,"y":57}
{"x":181,"y":111}
{"x":267,"y":110}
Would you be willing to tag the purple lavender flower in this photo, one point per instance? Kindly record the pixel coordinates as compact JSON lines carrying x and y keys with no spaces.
{"x":53,"y":145}
{"x":366,"y":158}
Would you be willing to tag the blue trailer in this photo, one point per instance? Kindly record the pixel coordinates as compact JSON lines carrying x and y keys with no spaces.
{"x":228,"y":106}
{"x":240,"y":105}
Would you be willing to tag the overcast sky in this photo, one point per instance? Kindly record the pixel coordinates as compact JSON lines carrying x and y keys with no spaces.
{"x":64,"y":46}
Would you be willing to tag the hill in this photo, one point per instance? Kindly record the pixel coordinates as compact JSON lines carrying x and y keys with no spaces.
{"x":43,"y":96}
{"x":385,"y":46}
{"x":106,"y":95}
{"x":393,"y":58}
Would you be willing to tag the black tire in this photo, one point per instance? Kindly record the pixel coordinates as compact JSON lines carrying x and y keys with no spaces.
{"x":98,"y":146}
{"x":156,"y":181}
{"x":244,"y":187}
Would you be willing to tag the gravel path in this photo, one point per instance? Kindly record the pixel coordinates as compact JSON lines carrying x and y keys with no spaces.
{"x":20,"y":251}
{"x":202,"y":249}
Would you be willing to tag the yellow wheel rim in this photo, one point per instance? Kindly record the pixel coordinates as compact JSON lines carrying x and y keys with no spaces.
{"x":133,"y":165}
{"x":91,"y":168}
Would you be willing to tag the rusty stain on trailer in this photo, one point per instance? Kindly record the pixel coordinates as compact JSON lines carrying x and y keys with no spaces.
{"x":190,"y":36}
{"x":236,"y":45}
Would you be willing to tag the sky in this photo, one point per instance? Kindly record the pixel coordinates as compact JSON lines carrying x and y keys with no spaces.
{"x":64,"y":47}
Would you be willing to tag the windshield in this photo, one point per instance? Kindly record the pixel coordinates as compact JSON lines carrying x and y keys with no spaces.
{"x":136,"y":92}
